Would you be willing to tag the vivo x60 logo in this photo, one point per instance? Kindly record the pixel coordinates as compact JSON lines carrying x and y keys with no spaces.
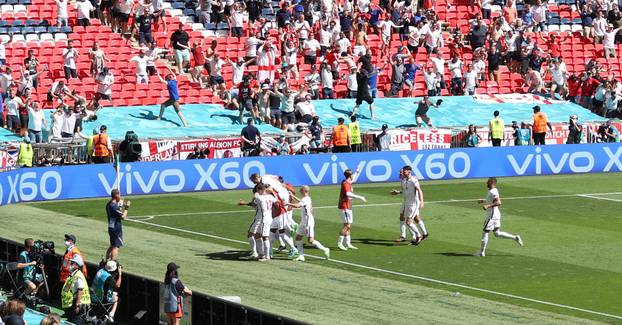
{"x":539,"y":163}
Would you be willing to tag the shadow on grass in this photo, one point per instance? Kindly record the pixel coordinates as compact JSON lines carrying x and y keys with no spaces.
{"x":227,"y":255}
{"x":376,"y":242}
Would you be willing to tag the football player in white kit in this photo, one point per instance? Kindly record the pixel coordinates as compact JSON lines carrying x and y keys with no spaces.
{"x":491,"y":205}
{"x":259,"y":231}
{"x":279,"y":224}
{"x":307,"y":225}
{"x":412,"y":202}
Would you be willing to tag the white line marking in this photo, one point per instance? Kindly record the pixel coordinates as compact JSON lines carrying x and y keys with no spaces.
{"x":142,"y":218}
{"x":599,"y":198}
{"x":399,"y":273}
{"x":587,"y":195}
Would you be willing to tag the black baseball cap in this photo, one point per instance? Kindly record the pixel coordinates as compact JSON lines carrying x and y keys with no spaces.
{"x":172,"y":267}
{"x":71,"y":237}
{"x":384,"y":126}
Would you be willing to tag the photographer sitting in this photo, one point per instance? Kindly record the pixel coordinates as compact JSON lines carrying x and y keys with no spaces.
{"x":72,"y":250}
{"x":105,"y":284}
{"x":75,"y":296}
{"x":26,"y":265}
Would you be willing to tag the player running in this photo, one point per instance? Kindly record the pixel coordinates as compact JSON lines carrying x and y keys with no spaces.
{"x":345,"y":206}
{"x":307,"y":225}
{"x":259,"y":230}
{"x":412,"y":202}
{"x":279,"y":223}
{"x":491,"y":204}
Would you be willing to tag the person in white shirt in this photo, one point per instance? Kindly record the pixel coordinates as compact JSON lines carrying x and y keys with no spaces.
{"x":84,"y":8}
{"x":470,"y":80}
{"x":412,"y":202}
{"x":538,"y":11}
{"x":311,"y":46}
{"x":290,"y":52}
{"x":386,"y":26}
{"x":238,"y":69}
{"x":439,"y":67}
{"x":455,"y":71}
{"x":124,"y":9}
{"x":344,"y":43}
{"x":57,"y":123}
{"x":61,"y":13}
{"x":302,"y":28}
{"x":326,"y":78}
{"x":559,"y":76}
{"x":141,"y":61}
{"x":104,"y":80}
{"x":600,"y":27}
{"x":492,"y":222}
{"x":351,"y":82}
{"x":215,"y":73}
{"x":153,"y":54}
{"x":69,"y":123}
{"x":251,"y":46}
{"x":609,"y":41}
{"x":6,"y":81}
{"x":70,"y":54}
{"x":306,"y":109}
{"x":259,"y":231}
{"x":434,"y":39}
{"x":36,"y":122}
{"x":12,"y":104}
{"x":236,"y":20}
{"x":312,"y":81}
{"x":307,"y":224}
{"x":432,"y":81}
{"x":326,"y":39}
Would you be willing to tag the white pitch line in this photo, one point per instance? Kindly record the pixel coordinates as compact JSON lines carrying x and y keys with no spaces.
{"x":599,"y":198}
{"x":587,"y":195}
{"x":422,"y":278}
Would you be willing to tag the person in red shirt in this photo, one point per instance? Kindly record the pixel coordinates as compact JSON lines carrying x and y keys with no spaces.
{"x":198,"y":56}
{"x":554,"y":45}
{"x":587,"y":91}
{"x":345,"y":207}
{"x":574,"y":89}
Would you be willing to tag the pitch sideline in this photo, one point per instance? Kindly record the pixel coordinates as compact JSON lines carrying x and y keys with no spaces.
{"x":583,"y":195}
{"x":422,"y":278}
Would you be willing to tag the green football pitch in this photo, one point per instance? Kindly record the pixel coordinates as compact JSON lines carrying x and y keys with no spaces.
{"x":568,"y":272}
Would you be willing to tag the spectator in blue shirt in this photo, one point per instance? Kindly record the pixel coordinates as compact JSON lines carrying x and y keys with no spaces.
{"x":173,"y":96}
{"x":411,"y":71}
{"x":527,"y":16}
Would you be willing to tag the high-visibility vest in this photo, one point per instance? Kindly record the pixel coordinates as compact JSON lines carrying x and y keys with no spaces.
{"x":355,"y":133}
{"x":24,"y":158}
{"x":66,"y":296}
{"x":100,"y":143}
{"x":340,"y":135}
{"x":89,"y":146}
{"x":539,"y":123}
{"x":497,"y":128}
{"x":64,"y":269}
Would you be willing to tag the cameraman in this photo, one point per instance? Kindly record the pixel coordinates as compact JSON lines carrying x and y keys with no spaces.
{"x":574,"y":130}
{"x":117,"y":211}
{"x":72,"y":250}
{"x":105,"y":286}
{"x":26,"y":265}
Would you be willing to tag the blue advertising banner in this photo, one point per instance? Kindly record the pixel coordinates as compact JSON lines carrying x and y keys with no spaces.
{"x":73,"y":182}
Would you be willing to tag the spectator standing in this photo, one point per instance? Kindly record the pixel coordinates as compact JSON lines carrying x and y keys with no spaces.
{"x":432,"y":81}
{"x":31,"y":64}
{"x":174,"y":293}
{"x":124,"y":10}
{"x":305,"y":109}
{"x":36,"y":122}
{"x":496,"y":130}
{"x":117,"y":211}
{"x":266,"y":60}
{"x":104,"y":80}
{"x":179,"y":41}
{"x":439,"y":67}
{"x":341,"y":137}
{"x":287,"y":97}
{"x":351,"y":83}
{"x":251,"y":139}
{"x":215,"y":73}
{"x":70,"y":54}
{"x":13,"y":104}
{"x":236,"y":20}
{"x":252,"y":44}
{"x":70,"y":251}
{"x":311,"y":47}
{"x":61,"y":13}
{"x":539,"y":12}
{"x":317,"y":132}
{"x":84,"y":9}
{"x":326,"y":77}
{"x":140,"y":62}
{"x":478,"y":34}
{"x":538,"y":126}
{"x":98,"y":59}
{"x":6,"y":81}
{"x":312,"y":81}
{"x":609,"y":41}
{"x":455,"y":71}
{"x":173,"y":96}
{"x":102,"y":147}
{"x":143,"y":25}
{"x":397,"y":75}
{"x":355,"y":134}
{"x":600,"y":27}
{"x":199,"y":58}
{"x":470,"y":80}
{"x":153,"y":53}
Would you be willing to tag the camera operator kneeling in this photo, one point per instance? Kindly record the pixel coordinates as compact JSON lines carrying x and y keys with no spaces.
{"x":26,"y":265}
{"x":106,"y":282}
{"x":75,"y":297}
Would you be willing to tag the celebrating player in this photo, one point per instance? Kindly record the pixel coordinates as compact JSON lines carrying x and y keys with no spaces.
{"x":279,"y":223}
{"x":307,"y":225}
{"x":260,"y":228}
{"x":345,"y":206}
{"x":491,"y":204}
{"x":413,"y":201}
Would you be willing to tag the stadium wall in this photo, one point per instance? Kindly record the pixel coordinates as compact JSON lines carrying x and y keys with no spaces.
{"x":87,"y":181}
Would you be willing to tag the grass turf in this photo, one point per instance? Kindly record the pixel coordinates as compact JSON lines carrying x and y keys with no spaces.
{"x":571,"y":254}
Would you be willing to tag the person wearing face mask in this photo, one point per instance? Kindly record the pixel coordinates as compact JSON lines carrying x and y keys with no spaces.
{"x":72,"y":250}
{"x":75,"y":297}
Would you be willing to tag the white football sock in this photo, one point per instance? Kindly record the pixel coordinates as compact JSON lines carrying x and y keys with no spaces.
{"x":505,"y":235}
{"x":281,"y":242}
{"x":288,"y":240}
{"x":318,"y":245}
{"x":413,"y":230}
{"x":340,"y":241}
{"x":484,"y":242}
{"x":348,"y":240}
{"x":267,"y":247}
{"x":422,"y":227}
{"x":403,"y":229}
{"x":299,"y":246}
{"x":251,"y":242}
{"x":271,"y":239}
{"x":259,"y":245}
